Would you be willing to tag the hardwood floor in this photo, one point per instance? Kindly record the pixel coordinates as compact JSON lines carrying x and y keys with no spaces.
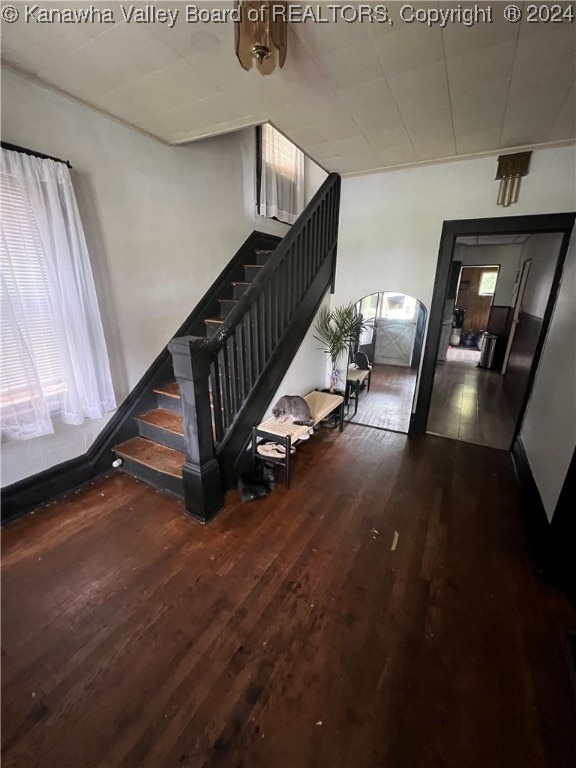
{"x":469,"y":403}
{"x":294,"y":632}
{"x":388,"y":405}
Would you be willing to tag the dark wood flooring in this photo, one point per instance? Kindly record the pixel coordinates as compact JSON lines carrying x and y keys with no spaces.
{"x":290,"y":632}
{"x":469,"y":403}
{"x":388,"y":405}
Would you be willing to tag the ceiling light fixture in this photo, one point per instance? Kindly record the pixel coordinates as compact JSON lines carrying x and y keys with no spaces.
{"x":511,"y":168}
{"x":261,"y":32}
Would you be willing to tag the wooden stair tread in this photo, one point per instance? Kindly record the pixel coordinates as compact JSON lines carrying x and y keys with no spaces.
{"x":229,"y":301}
{"x":170,"y":390}
{"x":152,"y":455}
{"x":160,"y":417}
{"x":258,"y":266}
{"x":218,"y":320}
{"x":240,"y":282}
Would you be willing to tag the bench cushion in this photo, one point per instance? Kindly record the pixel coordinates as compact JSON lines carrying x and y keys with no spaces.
{"x":357,"y":374}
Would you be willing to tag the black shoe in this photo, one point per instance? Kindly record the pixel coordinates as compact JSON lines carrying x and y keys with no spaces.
{"x":268,"y":477}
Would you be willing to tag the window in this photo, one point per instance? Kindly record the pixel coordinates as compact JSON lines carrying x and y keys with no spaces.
{"x":280,"y":176}
{"x":488,"y":283}
{"x":387,"y":304}
{"x":54,"y":359}
{"x":25,"y":293}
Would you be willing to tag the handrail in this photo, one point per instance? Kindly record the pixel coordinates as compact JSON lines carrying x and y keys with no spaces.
{"x":278,"y":256}
{"x":257,"y":285}
{"x":218,"y":376}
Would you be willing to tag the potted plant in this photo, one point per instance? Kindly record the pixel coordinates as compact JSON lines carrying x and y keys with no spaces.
{"x":337,"y":329}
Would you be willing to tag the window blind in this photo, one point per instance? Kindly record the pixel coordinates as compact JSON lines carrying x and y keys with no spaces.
{"x":25,"y":283}
{"x":278,"y":152}
{"x":281,"y":178}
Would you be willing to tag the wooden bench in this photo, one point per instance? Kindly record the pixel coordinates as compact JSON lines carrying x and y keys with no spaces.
{"x":354,"y":380}
{"x":285,"y":433}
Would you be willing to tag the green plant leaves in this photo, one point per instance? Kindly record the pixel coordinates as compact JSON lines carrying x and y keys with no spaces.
{"x":338,"y":328}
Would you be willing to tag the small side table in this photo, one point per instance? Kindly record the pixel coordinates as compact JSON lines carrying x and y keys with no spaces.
{"x":354,"y":380}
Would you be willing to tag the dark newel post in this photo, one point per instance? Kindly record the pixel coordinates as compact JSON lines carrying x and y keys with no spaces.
{"x":203,"y":493}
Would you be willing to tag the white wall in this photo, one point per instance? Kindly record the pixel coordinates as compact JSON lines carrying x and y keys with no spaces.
{"x":308,"y":370}
{"x":507,"y":256}
{"x":549,"y":427}
{"x":314,"y":177}
{"x":542,"y":250}
{"x":391,"y":222}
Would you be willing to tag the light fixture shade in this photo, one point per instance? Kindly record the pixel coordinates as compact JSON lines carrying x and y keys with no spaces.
{"x":511,"y":168}
{"x":261,"y":34}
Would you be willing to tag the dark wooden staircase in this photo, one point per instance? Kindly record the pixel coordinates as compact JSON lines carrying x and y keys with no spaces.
{"x":187,"y":425}
{"x":158,"y":453}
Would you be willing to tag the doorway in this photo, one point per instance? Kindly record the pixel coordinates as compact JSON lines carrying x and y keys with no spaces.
{"x":392,"y":345}
{"x":500,"y":390}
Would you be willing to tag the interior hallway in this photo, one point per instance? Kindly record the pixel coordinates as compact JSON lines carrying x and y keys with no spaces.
{"x":388,"y":405}
{"x":469,"y":403}
{"x":289,"y":632}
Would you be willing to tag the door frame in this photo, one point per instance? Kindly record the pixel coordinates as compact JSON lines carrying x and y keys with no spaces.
{"x":517,"y":309}
{"x":562,"y":223}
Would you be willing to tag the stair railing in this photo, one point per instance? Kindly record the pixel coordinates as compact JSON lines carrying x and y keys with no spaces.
{"x":217,"y":375}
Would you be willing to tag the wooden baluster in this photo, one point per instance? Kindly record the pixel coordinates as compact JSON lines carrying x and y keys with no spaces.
{"x":292,"y":267}
{"x":239,"y":357}
{"x":233,"y":368}
{"x":227,"y":395}
{"x":279,"y":293}
{"x":316,"y":242}
{"x":215,"y":388}
{"x":247,"y":350}
{"x":203,"y":492}
{"x":296,"y":275}
{"x":262,"y":328}
{"x":323,"y":227}
{"x":254,"y":341}
{"x":309,"y":251}
{"x":273,"y":308}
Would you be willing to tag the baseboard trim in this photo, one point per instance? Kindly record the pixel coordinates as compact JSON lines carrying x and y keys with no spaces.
{"x":537,"y":525}
{"x":551,"y":543}
{"x":25,"y":495}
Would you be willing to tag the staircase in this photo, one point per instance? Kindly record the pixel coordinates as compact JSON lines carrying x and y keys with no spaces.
{"x":157,"y":454}
{"x":189,"y":435}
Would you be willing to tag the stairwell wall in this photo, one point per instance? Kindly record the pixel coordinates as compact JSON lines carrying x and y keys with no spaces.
{"x":161,"y":223}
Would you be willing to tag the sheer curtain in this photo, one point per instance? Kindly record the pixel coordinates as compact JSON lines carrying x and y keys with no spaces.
{"x":281,"y":177}
{"x":54,"y":359}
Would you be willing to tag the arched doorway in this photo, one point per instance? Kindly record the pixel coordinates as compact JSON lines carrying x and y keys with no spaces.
{"x":393,"y":345}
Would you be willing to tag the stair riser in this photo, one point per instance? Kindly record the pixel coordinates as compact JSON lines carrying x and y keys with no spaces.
{"x":212,"y":329}
{"x":250,"y":273}
{"x":169,"y":403}
{"x":173,"y":485}
{"x":263,"y":256}
{"x":162,"y":436}
{"x":238,"y":291}
{"x":225,"y":308}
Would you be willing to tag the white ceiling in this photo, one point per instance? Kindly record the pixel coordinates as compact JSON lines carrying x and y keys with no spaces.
{"x":355,"y":96}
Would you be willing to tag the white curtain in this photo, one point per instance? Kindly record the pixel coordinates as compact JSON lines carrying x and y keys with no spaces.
{"x":54,"y":359}
{"x":281,"y":177}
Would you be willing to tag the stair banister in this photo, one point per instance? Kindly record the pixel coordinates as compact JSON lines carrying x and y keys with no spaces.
{"x":231,"y":365}
{"x":279,"y":255}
